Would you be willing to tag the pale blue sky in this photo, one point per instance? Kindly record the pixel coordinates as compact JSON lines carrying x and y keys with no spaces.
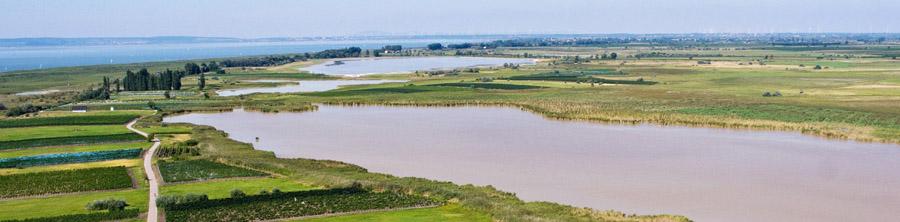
{"x":284,"y":18}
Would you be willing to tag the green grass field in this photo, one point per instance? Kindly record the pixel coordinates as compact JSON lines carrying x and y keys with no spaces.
{"x":43,"y":132}
{"x":448,"y":213}
{"x":221,"y":188}
{"x":67,"y":204}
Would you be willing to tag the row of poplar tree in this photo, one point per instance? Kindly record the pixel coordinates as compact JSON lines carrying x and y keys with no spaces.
{"x":142,"y":80}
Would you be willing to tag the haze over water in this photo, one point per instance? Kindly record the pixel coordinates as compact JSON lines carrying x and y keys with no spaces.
{"x":705,"y":174}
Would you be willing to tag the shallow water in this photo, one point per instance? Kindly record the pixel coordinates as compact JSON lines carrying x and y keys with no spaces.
{"x":301,"y":86}
{"x":705,"y":174}
{"x":41,"y":57}
{"x":358,"y":67}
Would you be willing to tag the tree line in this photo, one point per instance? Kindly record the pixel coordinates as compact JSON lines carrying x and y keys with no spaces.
{"x":165,"y":80}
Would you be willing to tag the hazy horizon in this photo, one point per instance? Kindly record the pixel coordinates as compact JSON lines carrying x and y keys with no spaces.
{"x":281,"y":18}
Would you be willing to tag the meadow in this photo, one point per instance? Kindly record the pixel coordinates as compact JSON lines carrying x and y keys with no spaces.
{"x":195,"y":170}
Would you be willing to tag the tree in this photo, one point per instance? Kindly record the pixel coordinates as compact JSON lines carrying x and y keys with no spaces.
{"x":192,"y":68}
{"x":2,"y":107}
{"x":118,"y":89}
{"x":392,"y":48}
{"x":202,"y":81}
{"x":613,"y":56}
{"x":237,"y":194}
{"x":167,"y":95}
{"x":817,"y":67}
{"x":435,"y":46}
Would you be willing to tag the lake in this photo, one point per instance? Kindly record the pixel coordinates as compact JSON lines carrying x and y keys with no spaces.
{"x":301,"y":86}
{"x":705,"y":174}
{"x":37,"y":57}
{"x":358,"y":67}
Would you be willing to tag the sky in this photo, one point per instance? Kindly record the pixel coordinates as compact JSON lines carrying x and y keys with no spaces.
{"x":306,"y":18}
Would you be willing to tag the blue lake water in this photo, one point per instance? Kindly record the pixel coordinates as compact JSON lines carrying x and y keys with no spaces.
{"x":22,"y":58}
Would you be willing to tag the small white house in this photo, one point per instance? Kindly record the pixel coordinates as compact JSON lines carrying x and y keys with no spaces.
{"x":79,"y":109}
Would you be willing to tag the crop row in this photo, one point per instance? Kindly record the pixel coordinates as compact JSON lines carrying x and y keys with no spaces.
{"x":488,"y":86}
{"x":65,"y":181}
{"x":56,"y":141}
{"x":91,"y":217}
{"x":177,"y":150}
{"x":64,"y":158}
{"x":190,"y":170}
{"x":291,"y":204}
{"x":69,"y":120}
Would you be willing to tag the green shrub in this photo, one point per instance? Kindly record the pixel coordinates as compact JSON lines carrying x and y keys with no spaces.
{"x":108,"y":204}
{"x":166,"y":201}
{"x":237,"y":194}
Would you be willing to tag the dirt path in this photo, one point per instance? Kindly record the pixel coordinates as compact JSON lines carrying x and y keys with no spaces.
{"x":152,"y":215}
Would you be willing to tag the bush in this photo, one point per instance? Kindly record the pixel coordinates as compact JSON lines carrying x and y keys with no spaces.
{"x":237,"y":194}
{"x":108,"y":204}
{"x":24,"y":109}
{"x":167,"y":201}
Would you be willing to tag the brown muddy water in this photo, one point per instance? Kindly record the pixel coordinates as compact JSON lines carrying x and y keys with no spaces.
{"x":705,"y":174}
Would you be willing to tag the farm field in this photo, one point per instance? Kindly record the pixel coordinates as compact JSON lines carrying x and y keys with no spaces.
{"x":292,"y":204}
{"x":196,"y":170}
{"x":218,"y":189}
{"x":130,"y":163}
{"x":66,"y":181}
{"x":26,"y":137}
{"x":67,"y":204}
{"x":449,"y":213}
{"x":43,"y":132}
{"x":72,"y":149}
